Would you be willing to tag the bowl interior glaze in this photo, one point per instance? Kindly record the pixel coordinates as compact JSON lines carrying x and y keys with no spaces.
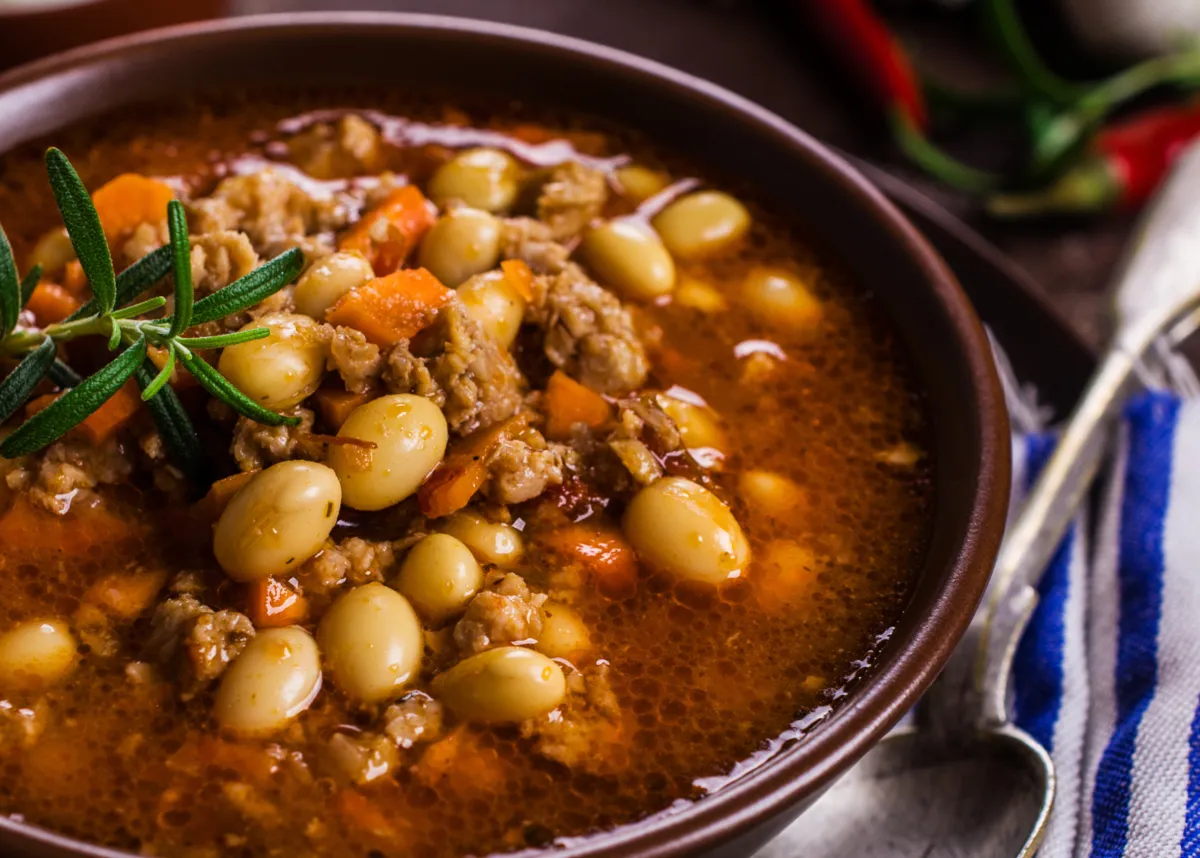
{"x":788,"y":170}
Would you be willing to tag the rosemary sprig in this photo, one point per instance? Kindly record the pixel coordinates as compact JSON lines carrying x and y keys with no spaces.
{"x":115,"y":314}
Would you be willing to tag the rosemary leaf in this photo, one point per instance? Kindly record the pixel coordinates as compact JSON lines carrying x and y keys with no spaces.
{"x":133,"y":281}
{"x":176,"y":429}
{"x":221,"y":341}
{"x":181,"y":252}
{"x":249,"y":290}
{"x":83,"y":226}
{"x":10,"y":287}
{"x":63,"y":375}
{"x":15,"y":389}
{"x":140,"y":308}
{"x":218,"y":386}
{"x":32,"y":278}
{"x":74,"y":406}
{"x":114,"y":338}
{"x":164,"y":375}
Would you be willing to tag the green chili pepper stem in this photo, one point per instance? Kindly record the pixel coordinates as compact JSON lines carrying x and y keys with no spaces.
{"x":937,"y":163}
{"x":1000,"y":16}
{"x":1090,"y":186}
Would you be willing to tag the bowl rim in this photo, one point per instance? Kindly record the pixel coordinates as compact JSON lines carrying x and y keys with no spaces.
{"x":44,"y":7}
{"x":790,"y":775}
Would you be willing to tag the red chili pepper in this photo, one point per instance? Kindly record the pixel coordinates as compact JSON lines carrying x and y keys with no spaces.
{"x":1126,"y":163}
{"x":872,"y":53}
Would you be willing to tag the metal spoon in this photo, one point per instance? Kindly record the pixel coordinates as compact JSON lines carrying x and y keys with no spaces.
{"x":966,"y":781}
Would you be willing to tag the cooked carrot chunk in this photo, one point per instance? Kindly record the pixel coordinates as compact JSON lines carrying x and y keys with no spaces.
{"x":26,"y":527}
{"x":392,"y":308}
{"x":126,"y":594}
{"x":388,"y":234}
{"x":51,"y":303}
{"x":568,"y":402}
{"x":608,"y":558}
{"x":520,"y":275}
{"x":454,"y":482}
{"x":221,"y":493}
{"x":271,"y":602}
{"x":129,"y":200}
{"x":111,"y":417}
{"x":334,"y":404}
{"x":74,"y":280}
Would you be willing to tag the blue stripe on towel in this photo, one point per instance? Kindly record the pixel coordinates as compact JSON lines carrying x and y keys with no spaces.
{"x":1152,"y":419}
{"x":1190,"y":842}
{"x":1038,"y":668}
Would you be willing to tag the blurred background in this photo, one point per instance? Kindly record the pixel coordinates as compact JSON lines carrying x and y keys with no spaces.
{"x":1040,"y":123}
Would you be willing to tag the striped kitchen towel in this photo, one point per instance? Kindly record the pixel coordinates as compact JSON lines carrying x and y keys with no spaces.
{"x":1108,"y":674}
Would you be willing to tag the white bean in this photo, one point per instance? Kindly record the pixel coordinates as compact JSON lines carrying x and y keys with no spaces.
{"x":639,"y":183}
{"x":485,"y":179}
{"x":328,"y":279}
{"x":779,"y":299}
{"x":409,"y":433}
{"x":36,"y":654}
{"x":463,"y":243}
{"x":506,"y":685}
{"x":701,"y":224}
{"x":698,"y":424}
{"x":278,"y":520}
{"x":439,"y":576}
{"x":280,"y":370}
{"x":490,"y":541}
{"x":372,"y":643}
{"x":277,"y":676}
{"x":491,"y":300}
{"x":682,"y":528}
{"x":628,"y":255}
{"x":563,"y":634}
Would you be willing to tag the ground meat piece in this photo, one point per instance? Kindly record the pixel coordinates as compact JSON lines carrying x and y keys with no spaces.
{"x":251,"y":804}
{"x":355,"y":560}
{"x":146,"y":237}
{"x":637,"y":459}
{"x":521,"y":468}
{"x":274,"y":213}
{"x":474,"y":381}
{"x":219,"y":258}
{"x":186,"y":632}
{"x":362,"y":758}
{"x":480,"y":379}
{"x":213,"y":640}
{"x":256,"y":445}
{"x":20,"y":726}
{"x":415,"y":717}
{"x":168,"y":622}
{"x":589,"y":333}
{"x":505,"y":613}
{"x":407,"y":373}
{"x":571,"y":199}
{"x":356,"y":360}
{"x":531,"y":241}
{"x":67,"y":471}
{"x":587,"y":734}
{"x":328,"y":151}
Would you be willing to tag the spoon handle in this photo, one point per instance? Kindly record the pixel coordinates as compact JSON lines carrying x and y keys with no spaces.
{"x":1165,"y":265}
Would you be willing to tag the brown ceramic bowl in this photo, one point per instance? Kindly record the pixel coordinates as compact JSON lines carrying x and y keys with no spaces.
{"x":34,"y":29}
{"x":791,"y":171}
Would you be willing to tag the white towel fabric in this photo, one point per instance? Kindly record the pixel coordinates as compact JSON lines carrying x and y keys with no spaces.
{"x":1122,"y":719}
{"x":1121,"y":715}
